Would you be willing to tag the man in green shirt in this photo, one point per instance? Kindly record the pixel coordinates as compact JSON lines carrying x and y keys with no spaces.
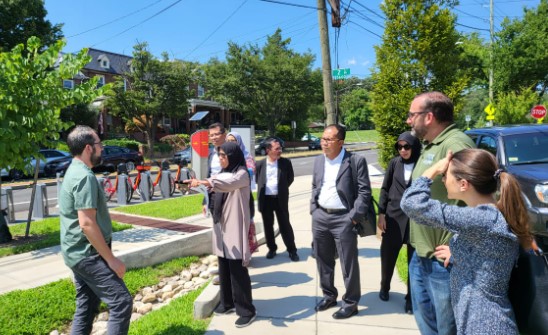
{"x":431,"y":119}
{"x":86,"y":236}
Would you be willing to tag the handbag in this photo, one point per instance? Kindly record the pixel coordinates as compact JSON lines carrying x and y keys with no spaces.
{"x":528,"y":291}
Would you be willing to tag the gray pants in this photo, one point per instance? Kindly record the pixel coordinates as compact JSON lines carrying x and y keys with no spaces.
{"x":96,"y":282}
{"x":333,"y":232}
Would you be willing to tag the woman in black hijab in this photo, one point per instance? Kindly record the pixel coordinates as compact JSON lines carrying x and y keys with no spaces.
{"x":393,"y":222}
{"x":231,"y":217}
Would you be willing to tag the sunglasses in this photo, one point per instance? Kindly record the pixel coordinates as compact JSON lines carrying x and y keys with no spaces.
{"x":404,"y":147}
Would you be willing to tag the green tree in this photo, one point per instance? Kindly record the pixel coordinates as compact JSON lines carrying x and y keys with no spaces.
{"x":419,"y":52}
{"x":513,"y":107}
{"x":520,"y":52}
{"x":355,"y":109}
{"x":156,"y":88}
{"x":21,"y":19}
{"x":270,"y":85}
{"x":32,"y":95}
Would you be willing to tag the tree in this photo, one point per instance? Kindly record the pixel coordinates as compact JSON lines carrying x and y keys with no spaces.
{"x":418,"y":53}
{"x":270,"y":85}
{"x":520,"y":52}
{"x":21,"y":19}
{"x":355,"y":109}
{"x":157,"y":88}
{"x":32,"y":95}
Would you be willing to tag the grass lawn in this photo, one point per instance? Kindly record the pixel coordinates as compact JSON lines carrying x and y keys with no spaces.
{"x":44,"y":233}
{"x":357,"y":136}
{"x":171,"y":209}
{"x":43,"y":309}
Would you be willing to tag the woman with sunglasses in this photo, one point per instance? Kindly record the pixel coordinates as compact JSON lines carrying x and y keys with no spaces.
{"x":393,"y":223}
{"x":230,"y":232}
{"x":488,"y":233}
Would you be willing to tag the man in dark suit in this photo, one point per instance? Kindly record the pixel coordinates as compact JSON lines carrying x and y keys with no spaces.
{"x":274,"y":176}
{"x":339,"y":201}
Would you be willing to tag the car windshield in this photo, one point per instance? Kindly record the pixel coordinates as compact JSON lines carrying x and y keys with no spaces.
{"x":526,"y":148}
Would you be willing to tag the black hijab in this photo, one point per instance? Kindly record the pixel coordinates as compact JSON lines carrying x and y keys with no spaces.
{"x":415,"y":146}
{"x":236,"y":161}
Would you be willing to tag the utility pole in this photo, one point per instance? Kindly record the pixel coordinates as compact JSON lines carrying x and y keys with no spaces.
{"x":326,"y":64}
{"x":491,"y":45}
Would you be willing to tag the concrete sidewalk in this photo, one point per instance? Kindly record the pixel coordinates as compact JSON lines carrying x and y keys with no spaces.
{"x":286,"y":292}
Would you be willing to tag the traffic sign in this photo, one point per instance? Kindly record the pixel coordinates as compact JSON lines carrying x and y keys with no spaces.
{"x":490,"y":117}
{"x":340,"y":73}
{"x":538,"y":112}
{"x":490,"y":110}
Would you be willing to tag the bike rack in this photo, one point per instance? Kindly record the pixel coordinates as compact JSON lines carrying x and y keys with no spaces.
{"x":121,"y":195}
{"x":164,"y":180}
{"x":40,"y":208}
{"x":6,"y":203}
{"x":144,"y":186}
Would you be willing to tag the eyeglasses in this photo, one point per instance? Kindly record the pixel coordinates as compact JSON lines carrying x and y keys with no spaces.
{"x":216,"y":134}
{"x":98,"y":143}
{"x":404,"y":147}
{"x":411,"y":115}
{"x":329,"y":140}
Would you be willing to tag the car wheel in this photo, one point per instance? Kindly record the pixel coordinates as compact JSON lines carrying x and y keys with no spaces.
{"x":16,"y":174}
{"x":130,"y":166}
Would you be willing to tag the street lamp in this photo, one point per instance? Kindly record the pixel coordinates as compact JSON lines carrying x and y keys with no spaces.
{"x":337,"y":99}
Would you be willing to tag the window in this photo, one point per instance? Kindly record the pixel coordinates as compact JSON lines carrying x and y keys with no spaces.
{"x":488,"y":143}
{"x":103,"y":61}
{"x":201,"y":91}
{"x":68,"y":84}
{"x":167,"y":121}
{"x":101,"y":81}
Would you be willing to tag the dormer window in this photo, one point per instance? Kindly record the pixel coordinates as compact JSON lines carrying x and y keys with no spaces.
{"x":103,"y":61}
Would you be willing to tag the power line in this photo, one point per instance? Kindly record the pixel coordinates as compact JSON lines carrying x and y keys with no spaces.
{"x":370,"y":10}
{"x":369,"y":31}
{"x":291,"y":4}
{"x":138,"y":24}
{"x":469,"y":27}
{"x":216,"y":29}
{"x":115,"y":20}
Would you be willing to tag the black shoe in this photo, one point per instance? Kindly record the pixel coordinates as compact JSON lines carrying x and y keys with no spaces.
{"x":270,"y":254}
{"x":383,"y":295}
{"x":223,"y":310}
{"x":324,"y":304}
{"x":408,"y":307}
{"x":345,"y":312}
{"x":294,"y":257}
{"x":244,"y":321}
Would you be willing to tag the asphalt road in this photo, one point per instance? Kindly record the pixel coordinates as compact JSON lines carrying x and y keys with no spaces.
{"x":301,"y":165}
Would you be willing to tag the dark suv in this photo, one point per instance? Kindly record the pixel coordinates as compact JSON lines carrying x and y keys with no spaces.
{"x":522,"y":150}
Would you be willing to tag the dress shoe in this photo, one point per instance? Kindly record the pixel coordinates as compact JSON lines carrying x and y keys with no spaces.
{"x":324,"y":304}
{"x":383,"y":295}
{"x":294,"y":257}
{"x":345,"y":312}
{"x":408,"y":307}
{"x":270,"y":254}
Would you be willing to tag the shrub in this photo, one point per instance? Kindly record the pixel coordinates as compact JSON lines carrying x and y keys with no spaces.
{"x":123,"y":142}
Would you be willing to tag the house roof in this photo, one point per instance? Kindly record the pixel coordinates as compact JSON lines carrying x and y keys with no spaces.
{"x":118,"y":64}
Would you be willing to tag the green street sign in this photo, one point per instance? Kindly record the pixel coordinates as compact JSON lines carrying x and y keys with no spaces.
{"x":340,"y":73}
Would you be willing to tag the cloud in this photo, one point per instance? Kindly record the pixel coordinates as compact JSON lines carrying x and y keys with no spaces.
{"x":352,"y":61}
{"x":366,"y":63}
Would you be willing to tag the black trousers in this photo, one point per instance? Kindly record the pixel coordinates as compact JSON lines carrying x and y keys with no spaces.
{"x":391,"y":244}
{"x":333,"y":232}
{"x":235,"y":286}
{"x":271,"y":206}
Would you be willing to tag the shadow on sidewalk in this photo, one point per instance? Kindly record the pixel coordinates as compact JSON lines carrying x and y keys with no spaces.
{"x":284,"y":311}
{"x":370,"y":304}
{"x":279,"y":279}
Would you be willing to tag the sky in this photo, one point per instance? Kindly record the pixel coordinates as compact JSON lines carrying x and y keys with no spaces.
{"x":198,"y":30}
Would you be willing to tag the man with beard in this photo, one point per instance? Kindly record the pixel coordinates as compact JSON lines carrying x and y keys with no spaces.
{"x":431,"y":119}
{"x":86,"y":237}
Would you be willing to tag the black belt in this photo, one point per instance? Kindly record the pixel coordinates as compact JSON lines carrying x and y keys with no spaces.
{"x":271,"y":196}
{"x":333,"y":210}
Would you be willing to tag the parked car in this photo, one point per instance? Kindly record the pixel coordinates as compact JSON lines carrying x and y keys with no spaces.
{"x":48,"y":156}
{"x":182,"y":155}
{"x":314,"y":144}
{"x":309,"y":137}
{"x":521,"y":150}
{"x":260,"y":148}
{"x":114,"y":155}
{"x":57,"y":165}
